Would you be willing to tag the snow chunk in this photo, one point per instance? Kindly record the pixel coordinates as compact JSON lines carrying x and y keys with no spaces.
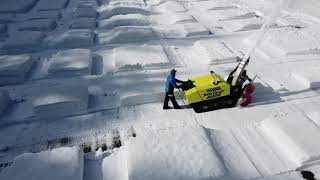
{"x":37,"y":25}
{"x":4,"y":100}
{"x":287,"y":137}
{"x":45,"y":5}
{"x":84,"y":23}
{"x":243,"y":24}
{"x":64,"y":163}
{"x":16,"y":6}
{"x":118,"y":10}
{"x":183,"y":154}
{"x":21,"y":42}
{"x":171,"y":6}
{"x":72,"y":38}
{"x":307,"y":79}
{"x":70,"y":62}
{"x":3,"y":28}
{"x":124,"y":20}
{"x":213,"y":52}
{"x":61,"y":101}
{"x":126,"y":34}
{"x":14,"y":69}
{"x":232,"y":14}
{"x":153,"y":55}
{"x":86,"y":12}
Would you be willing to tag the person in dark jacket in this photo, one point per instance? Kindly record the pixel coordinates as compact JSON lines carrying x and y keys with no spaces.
{"x":169,"y":88}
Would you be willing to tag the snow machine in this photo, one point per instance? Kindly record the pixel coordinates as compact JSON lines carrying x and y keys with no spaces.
{"x":211,"y":92}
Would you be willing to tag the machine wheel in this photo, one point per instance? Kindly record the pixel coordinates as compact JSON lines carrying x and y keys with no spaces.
{"x":246,"y":100}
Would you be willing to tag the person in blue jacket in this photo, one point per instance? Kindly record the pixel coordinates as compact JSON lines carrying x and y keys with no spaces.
{"x":169,"y":88}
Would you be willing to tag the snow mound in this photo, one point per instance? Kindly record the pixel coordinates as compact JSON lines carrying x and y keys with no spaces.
{"x":307,"y":79}
{"x":124,"y":20}
{"x":71,"y":38}
{"x":243,"y":24}
{"x":14,"y":69}
{"x":84,"y":23}
{"x":63,"y":163}
{"x":184,"y":154}
{"x":45,"y":5}
{"x":171,"y":6}
{"x":153,"y":55}
{"x":45,"y":15}
{"x":232,"y":14}
{"x":124,"y":34}
{"x":3,"y":28}
{"x":25,"y":41}
{"x":287,"y":136}
{"x":70,"y":63}
{"x":213,"y":52}
{"x":118,"y":10}
{"x":4,"y":100}
{"x":61,"y":101}
{"x":16,"y":6}
{"x":87,"y":11}
{"x":37,"y":25}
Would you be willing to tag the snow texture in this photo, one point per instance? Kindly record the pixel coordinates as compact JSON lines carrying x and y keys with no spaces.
{"x":124,"y":20}
{"x":25,"y":41}
{"x":71,"y":38}
{"x":45,"y":5}
{"x":84,"y":23}
{"x":63,"y":163}
{"x":118,"y":10}
{"x":87,"y":11}
{"x":14,"y":69}
{"x":4,"y":101}
{"x":37,"y":25}
{"x":70,"y":63}
{"x":16,"y":6}
{"x":213,"y":52}
{"x":61,"y":101}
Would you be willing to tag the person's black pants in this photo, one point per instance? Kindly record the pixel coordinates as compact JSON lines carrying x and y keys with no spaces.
{"x":173,"y":100}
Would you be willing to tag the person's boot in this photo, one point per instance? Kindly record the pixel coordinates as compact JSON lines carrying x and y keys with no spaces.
{"x":177,"y":107}
{"x":166,"y":107}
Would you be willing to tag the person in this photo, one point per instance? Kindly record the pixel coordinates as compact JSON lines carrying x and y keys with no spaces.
{"x":169,"y":88}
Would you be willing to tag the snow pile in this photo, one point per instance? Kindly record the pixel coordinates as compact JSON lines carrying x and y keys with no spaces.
{"x":45,"y":15}
{"x":243,"y":24}
{"x":307,"y":79}
{"x":37,"y":25}
{"x":3,"y":28}
{"x":171,"y":6}
{"x":232,"y":14}
{"x":86,"y":11}
{"x":153,"y":55}
{"x":45,"y":5}
{"x":16,"y":6}
{"x":118,"y":10}
{"x":14,"y":69}
{"x":25,"y":41}
{"x":63,"y":163}
{"x":84,"y":23}
{"x":124,"y":20}
{"x":71,"y":38}
{"x":124,"y":34}
{"x":288,"y":136}
{"x":61,"y":101}
{"x":4,"y":100}
{"x":183,"y":154}
{"x":213,"y":52}
{"x":70,"y":63}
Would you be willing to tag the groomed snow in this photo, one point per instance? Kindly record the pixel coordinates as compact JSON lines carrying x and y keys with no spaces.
{"x":37,"y":25}
{"x":14,"y":69}
{"x":70,"y":63}
{"x":16,"y":6}
{"x":71,"y":38}
{"x":123,"y":20}
{"x":61,"y":101}
{"x":63,"y":163}
{"x":4,"y":101}
{"x":45,"y":5}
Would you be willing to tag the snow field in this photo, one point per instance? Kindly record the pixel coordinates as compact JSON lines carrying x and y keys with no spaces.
{"x":124,"y":20}
{"x":37,"y":25}
{"x":4,"y":101}
{"x":84,"y":23}
{"x":71,"y":63}
{"x":45,"y":5}
{"x":61,"y":101}
{"x":14,"y":69}
{"x":16,"y":6}
{"x":63,"y":163}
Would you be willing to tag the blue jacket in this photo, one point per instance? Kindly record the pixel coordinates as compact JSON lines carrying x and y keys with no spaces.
{"x":171,"y":84}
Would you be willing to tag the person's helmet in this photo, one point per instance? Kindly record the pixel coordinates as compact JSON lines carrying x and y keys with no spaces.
{"x":173,"y":71}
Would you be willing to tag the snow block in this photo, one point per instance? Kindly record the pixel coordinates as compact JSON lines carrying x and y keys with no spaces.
{"x":125,"y":34}
{"x":288,"y":136}
{"x":124,"y":20}
{"x":183,"y":154}
{"x":4,"y":100}
{"x":243,"y":24}
{"x":21,"y":42}
{"x":84,"y":23}
{"x":153,"y":55}
{"x":307,"y":79}
{"x":16,"y":6}
{"x":70,"y":63}
{"x":37,"y":25}
{"x":3,"y":28}
{"x":64,"y":163}
{"x":14,"y":69}
{"x":61,"y":101}
{"x":118,"y":10}
{"x":86,"y":12}
{"x":46,"y":15}
{"x":45,"y":5}
{"x":213,"y":52}
{"x":72,"y":38}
